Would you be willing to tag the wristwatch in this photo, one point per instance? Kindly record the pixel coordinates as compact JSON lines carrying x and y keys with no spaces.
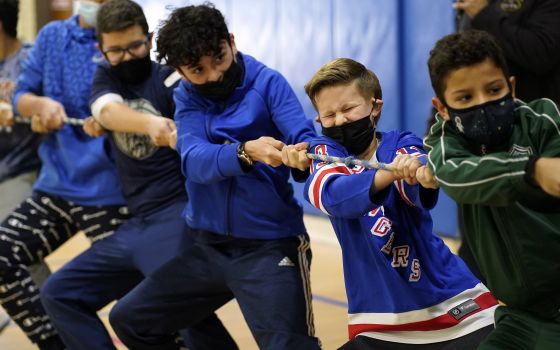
{"x":243,"y":157}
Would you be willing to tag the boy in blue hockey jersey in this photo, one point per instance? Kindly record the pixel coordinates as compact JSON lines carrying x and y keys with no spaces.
{"x":404,"y":286}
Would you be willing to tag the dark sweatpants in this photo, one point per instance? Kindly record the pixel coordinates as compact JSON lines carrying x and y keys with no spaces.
{"x":111,"y":268}
{"x":269,"y":279}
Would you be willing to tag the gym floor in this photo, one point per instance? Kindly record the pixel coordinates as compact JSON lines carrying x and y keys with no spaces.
{"x":329,"y":298}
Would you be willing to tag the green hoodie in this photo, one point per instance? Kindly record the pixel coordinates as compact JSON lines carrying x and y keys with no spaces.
{"x":512,"y":226}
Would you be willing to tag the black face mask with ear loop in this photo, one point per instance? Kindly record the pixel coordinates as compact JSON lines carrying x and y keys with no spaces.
{"x":221,"y":90}
{"x":134,"y":71}
{"x":355,"y":136}
{"x":489,"y":124}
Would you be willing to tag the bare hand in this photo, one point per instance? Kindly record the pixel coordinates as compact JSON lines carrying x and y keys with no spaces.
{"x":547,"y":175}
{"x":471,"y":7}
{"x":295,"y":156}
{"x":37,"y":125}
{"x":160,"y":129}
{"x":425,"y":177}
{"x":266,"y":150}
{"x":52,"y":114}
{"x":93,"y":128}
{"x":6,"y":114}
{"x":405,"y":166}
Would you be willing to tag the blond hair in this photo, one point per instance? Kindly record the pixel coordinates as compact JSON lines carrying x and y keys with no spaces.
{"x":344,"y":71}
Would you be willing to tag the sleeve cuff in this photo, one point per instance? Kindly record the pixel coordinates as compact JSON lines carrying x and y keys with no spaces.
{"x":228,"y":164}
{"x":377,"y":198}
{"x":529,"y":176}
{"x":15,"y":100}
{"x":102,"y":101}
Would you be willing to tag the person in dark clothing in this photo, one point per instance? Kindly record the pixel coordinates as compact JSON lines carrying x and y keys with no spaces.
{"x":529,"y":33}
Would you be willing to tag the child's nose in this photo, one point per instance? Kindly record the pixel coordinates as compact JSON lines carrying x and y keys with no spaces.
{"x":340,"y":119}
{"x":127,"y":56}
{"x":215,"y":75}
{"x":482,"y":98}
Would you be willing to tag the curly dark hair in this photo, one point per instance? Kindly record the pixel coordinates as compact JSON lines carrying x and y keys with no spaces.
{"x":9,"y":10}
{"x":189,"y":33}
{"x":460,"y":50}
{"x":117,"y":15}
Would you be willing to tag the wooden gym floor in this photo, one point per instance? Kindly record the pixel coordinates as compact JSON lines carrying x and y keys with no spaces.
{"x":329,"y":298}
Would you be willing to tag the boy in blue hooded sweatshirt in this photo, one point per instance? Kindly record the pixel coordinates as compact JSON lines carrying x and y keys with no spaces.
{"x":234,"y":116}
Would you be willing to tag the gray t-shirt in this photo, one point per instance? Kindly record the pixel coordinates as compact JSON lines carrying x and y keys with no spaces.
{"x":18,"y":145}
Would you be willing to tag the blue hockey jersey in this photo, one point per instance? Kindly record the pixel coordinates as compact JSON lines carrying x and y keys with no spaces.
{"x":402,"y":282}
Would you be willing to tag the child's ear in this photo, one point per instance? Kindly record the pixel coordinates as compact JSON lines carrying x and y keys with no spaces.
{"x":512,"y":81}
{"x":232,"y":44}
{"x":377,"y":105}
{"x":440,"y":107}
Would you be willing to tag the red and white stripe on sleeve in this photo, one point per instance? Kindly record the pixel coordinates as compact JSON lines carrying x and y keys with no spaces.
{"x":321,"y":172}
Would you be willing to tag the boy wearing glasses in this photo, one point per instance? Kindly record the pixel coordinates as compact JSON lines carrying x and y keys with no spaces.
{"x":132,"y":98}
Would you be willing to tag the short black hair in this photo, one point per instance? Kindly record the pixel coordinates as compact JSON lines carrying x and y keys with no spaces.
{"x":9,"y":10}
{"x":118,"y":15}
{"x":455,"y":51}
{"x":190,"y":33}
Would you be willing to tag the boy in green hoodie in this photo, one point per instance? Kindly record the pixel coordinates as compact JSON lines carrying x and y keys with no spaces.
{"x":499,"y":159}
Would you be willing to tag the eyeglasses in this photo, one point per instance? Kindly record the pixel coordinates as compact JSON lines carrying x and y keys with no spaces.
{"x":136,"y":49}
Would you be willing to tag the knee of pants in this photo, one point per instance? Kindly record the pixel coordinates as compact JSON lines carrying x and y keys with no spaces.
{"x":118,"y":319}
{"x":51,"y":291}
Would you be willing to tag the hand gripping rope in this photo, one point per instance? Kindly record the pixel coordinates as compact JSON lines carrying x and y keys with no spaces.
{"x":348,"y":161}
{"x":71,"y":121}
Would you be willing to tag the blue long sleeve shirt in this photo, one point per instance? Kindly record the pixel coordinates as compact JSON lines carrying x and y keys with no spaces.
{"x":61,"y":65}
{"x":223,"y":198}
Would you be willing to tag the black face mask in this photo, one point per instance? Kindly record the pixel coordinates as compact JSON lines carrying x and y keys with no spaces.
{"x":133,"y":71}
{"x":489,"y":124}
{"x":355,"y":136}
{"x":221,"y":90}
